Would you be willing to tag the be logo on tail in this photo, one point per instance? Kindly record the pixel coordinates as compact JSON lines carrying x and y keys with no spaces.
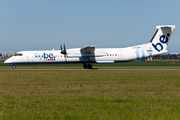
{"x":163,"y":39}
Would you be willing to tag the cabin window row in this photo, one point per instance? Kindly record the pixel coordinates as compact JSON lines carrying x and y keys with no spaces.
{"x":61,"y":55}
{"x":111,"y":54}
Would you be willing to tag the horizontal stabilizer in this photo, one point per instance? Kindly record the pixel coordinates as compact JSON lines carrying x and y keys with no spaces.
{"x":165,"y":26}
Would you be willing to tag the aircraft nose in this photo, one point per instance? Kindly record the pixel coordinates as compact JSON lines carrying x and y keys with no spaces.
{"x":7,"y":61}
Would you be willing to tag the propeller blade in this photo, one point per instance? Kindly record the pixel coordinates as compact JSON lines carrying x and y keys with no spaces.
{"x":64,"y":47}
{"x":61,"y":46}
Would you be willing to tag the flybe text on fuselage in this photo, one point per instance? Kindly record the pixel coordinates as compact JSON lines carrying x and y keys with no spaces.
{"x":44,"y":56}
{"x":142,"y":51}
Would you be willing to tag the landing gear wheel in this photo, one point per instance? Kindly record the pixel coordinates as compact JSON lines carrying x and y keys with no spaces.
{"x":85,"y":66}
{"x":89,"y":66}
{"x":13,"y":66}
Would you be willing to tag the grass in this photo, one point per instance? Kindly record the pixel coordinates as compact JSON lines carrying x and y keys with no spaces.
{"x":92,"y":94}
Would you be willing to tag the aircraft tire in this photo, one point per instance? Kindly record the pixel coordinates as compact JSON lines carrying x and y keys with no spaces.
{"x":85,"y":66}
{"x":13,"y":66}
{"x":89,"y":66}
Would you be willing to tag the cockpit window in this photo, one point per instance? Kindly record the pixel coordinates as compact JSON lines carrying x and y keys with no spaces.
{"x":18,"y":54}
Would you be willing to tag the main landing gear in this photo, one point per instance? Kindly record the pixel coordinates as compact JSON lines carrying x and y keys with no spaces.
{"x":85,"y":66}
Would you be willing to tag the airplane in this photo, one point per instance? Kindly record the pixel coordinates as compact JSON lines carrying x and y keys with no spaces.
{"x":90,"y":54}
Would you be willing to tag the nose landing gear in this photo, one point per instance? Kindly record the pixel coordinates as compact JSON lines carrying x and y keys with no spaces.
{"x":13,"y":66}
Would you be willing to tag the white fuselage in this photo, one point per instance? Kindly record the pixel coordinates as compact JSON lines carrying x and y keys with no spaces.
{"x":111,"y":55}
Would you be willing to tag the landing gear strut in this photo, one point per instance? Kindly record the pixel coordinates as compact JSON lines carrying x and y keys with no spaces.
{"x":13,"y":66}
{"x":85,"y":66}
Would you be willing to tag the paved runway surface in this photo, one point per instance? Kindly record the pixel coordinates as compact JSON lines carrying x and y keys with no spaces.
{"x":90,"y":69}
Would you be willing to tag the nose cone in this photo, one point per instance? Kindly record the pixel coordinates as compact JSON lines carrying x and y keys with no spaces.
{"x":8,"y":61}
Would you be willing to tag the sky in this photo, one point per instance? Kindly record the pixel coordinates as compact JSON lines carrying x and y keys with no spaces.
{"x":45,"y":24}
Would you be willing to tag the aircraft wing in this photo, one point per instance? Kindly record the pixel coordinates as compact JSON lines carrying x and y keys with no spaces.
{"x":91,"y":52}
{"x":87,"y":52}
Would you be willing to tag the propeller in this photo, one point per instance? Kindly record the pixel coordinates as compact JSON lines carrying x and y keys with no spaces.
{"x":63,"y":51}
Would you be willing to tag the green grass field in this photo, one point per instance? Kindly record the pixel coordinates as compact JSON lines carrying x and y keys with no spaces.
{"x":90,"y":94}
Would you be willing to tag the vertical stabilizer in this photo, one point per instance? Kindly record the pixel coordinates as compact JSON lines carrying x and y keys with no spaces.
{"x":161,"y":37}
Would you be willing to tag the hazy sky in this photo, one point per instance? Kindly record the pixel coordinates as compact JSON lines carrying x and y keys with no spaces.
{"x":45,"y":24}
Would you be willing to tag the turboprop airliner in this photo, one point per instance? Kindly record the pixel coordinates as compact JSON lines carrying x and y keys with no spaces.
{"x":86,"y":56}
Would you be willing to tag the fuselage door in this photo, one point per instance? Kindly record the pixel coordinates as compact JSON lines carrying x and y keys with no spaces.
{"x":30,"y":57}
{"x":119,"y":55}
